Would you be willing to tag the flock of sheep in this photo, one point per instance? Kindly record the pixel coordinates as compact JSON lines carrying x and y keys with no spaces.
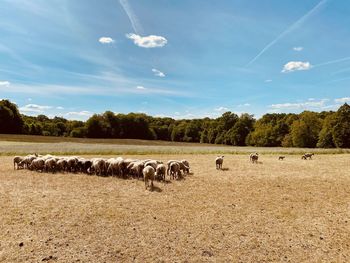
{"x":149,"y":170}
{"x":254,"y":157}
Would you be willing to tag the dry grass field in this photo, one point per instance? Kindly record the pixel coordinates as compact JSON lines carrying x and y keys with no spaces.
{"x":275,"y":211}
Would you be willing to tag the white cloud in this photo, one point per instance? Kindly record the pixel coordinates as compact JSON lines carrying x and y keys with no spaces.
{"x":342,"y":100}
{"x":298,"y":48}
{"x":140,"y":88}
{"x":150,"y":41}
{"x":5,"y":84}
{"x":106,"y":40}
{"x":268,"y":80}
{"x":158,"y":73}
{"x":244,"y":105}
{"x":78,"y":115}
{"x":59,"y":108}
{"x":221,"y":109}
{"x":34,"y":108}
{"x":296,"y":65}
{"x":300,"y":105}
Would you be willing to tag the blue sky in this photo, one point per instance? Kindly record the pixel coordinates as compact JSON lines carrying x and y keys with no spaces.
{"x":183,"y":59}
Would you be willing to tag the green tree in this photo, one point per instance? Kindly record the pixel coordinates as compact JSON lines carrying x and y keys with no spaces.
{"x":341,"y":130}
{"x":305,"y":131}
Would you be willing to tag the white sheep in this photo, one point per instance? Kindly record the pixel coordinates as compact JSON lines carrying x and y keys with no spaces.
{"x":148,"y":175}
{"x":219,"y":161}
{"x":160,"y":172}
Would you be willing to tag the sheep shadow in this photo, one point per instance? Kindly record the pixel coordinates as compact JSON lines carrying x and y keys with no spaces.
{"x":225,"y":169}
{"x":156,"y":189}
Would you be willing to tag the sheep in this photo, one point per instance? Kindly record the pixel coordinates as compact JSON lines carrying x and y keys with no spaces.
{"x":148,"y":175}
{"x":160,"y":172}
{"x":219,"y":161}
{"x":98,"y":166}
{"x":281,"y":158}
{"x":124,"y":165}
{"x":307,"y":156}
{"x":72,"y":164}
{"x":174,"y":169}
{"x":135,"y":168}
{"x":16,"y":161}
{"x":62,"y":165}
{"x":27,"y":160}
{"x":182,"y":164}
{"x":153,"y":163}
{"x":37,"y":164}
{"x":50,"y":165}
{"x":254,"y":157}
{"x":114,"y":167}
{"x":186,"y":166}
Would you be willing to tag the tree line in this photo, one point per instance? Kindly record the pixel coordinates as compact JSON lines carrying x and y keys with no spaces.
{"x":327,"y":129}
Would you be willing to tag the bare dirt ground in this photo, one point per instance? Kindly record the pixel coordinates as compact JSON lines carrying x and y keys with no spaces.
{"x":277,"y":211}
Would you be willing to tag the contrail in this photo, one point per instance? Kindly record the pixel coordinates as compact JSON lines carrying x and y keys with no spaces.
{"x":289,"y":29}
{"x":332,"y":62}
{"x":132,"y":17}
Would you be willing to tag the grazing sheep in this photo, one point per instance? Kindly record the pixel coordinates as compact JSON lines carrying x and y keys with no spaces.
{"x":114,"y":167}
{"x":16,"y":161}
{"x":281,"y":158}
{"x":27,"y":160}
{"x":307,"y":156}
{"x":183,"y":166}
{"x":186,"y":166}
{"x":50,"y":165}
{"x":98,"y":166}
{"x":135,"y":168}
{"x":254,"y":157}
{"x":37,"y":164}
{"x":152,"y":163}
{"x":160,"y":172}
{"x":174,"y":169}
{"x":72,"y":164}
{"x":62,"y":165}
{"x":148,"y":175}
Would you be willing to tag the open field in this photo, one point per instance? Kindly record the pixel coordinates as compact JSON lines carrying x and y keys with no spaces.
{"x":23,"y":144}
{"x":277,"y":211}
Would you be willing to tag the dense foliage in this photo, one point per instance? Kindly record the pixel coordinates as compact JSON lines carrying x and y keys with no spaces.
{"x":307,"y":129}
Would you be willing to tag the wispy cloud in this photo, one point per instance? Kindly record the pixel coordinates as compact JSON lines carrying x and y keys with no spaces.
{"x":221,"y":109}
{"x":300,"y":105}
{"x":158,"y":73}
{"x":342,"y":100}
{"x":292,"y":27}
{"x":132,"y":16}
{"x":140,"y":88}
{"x":298,"y":49}
{"x":5,"y":84}
{"x":150,"y":41}
{"x":268,"y":80}
{"x":106,"y":40}
{"x":295,"y":66}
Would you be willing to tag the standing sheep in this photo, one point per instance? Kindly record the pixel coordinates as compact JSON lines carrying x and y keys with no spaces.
{"x":174,"y":169}
{"x":148,"y":175}
{"x":160,"y":172}
{"x":254,"y":157}
{"x":219,"y":161}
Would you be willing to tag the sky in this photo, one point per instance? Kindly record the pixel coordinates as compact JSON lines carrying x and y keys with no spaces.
{"x":182,"y":59}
